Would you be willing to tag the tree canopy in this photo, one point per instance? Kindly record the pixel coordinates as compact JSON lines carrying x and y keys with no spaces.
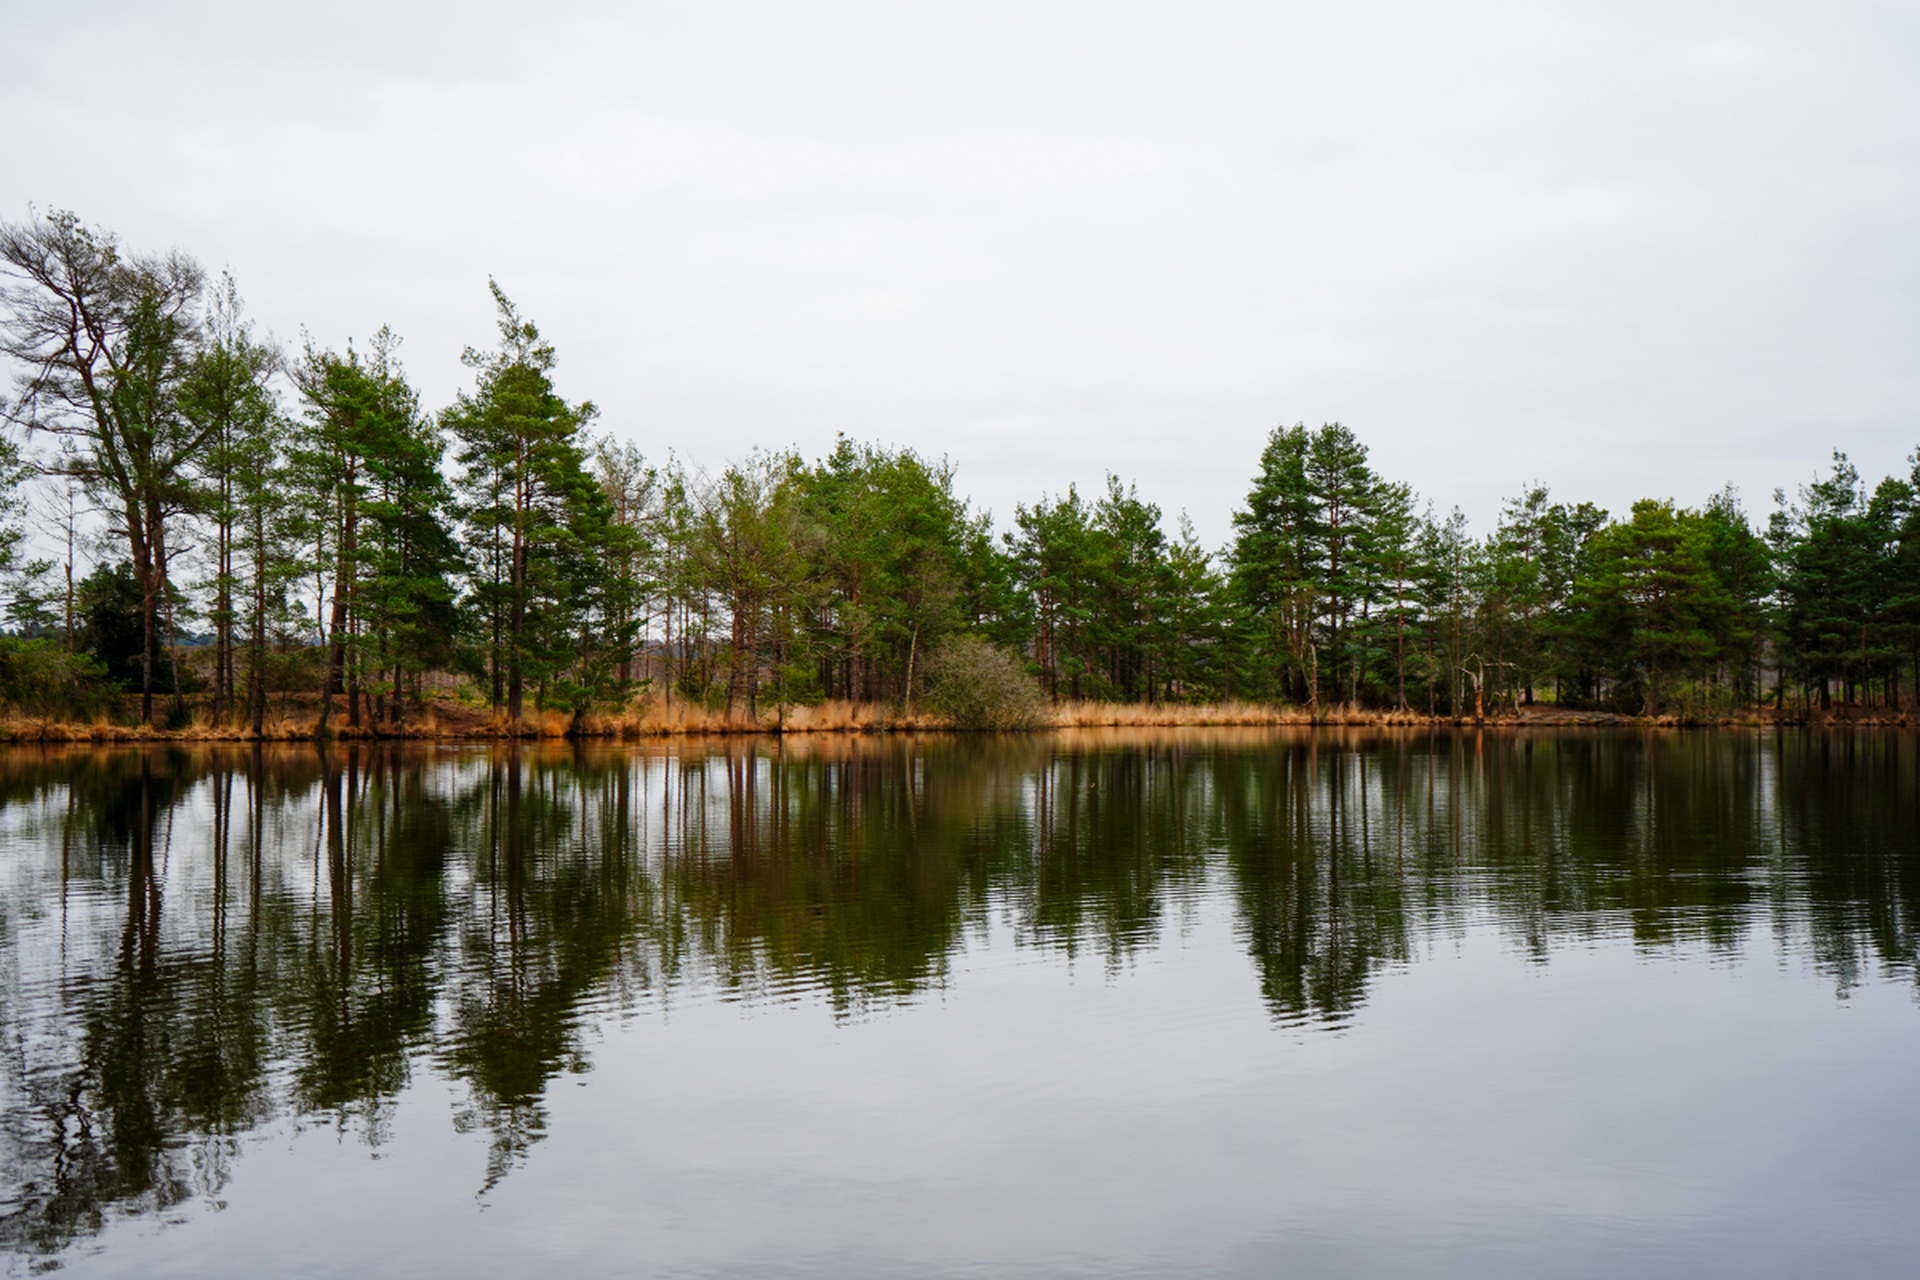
{"x":320,"y":528}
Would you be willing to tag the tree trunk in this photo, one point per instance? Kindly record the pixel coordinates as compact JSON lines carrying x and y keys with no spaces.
{"x":913,"y":645}
{"x":1400,"y":645}
{"x":1313,"y":684}
{"x":736,"y":675}
{"x":223,"y":599}
{"x":69,"y":569}
{"x":343,"y":575}
{"x":257,"y":678}
{"x":143,"y":569}
{"x":166,"y":588}
{"x":517,"y":615}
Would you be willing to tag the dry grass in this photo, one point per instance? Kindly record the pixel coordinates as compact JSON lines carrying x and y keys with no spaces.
{"x":19,"y":729}
{"x":854,"y":717}
{"x":444,"y":720}
{"x":658,"y":719}
{"x":1105,"y":715}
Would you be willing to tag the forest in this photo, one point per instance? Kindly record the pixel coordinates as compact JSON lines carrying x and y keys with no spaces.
{"x":203,"y":527}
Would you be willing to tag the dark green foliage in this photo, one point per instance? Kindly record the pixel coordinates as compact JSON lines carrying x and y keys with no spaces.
{"x":1194,"y":646}
{"x":1849,"y":567}
{"x":1449,"y":570}
{"x":380,"y":509}
{"x":540,"y":528}
{"x":1322,"y":550}
{"x":747,"y":547}
{"x":111,"y":627}
{"x":1053,"y":557}
{"x":1276,"y":569}
{"x":891,"y":555}
{"x":1129,"y":634}
{"x":1652,"y":609}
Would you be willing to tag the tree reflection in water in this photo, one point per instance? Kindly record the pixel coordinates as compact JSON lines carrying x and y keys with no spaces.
{"x":196,"y":943}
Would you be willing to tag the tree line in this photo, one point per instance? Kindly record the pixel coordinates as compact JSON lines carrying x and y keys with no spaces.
{"x":309,"y":524}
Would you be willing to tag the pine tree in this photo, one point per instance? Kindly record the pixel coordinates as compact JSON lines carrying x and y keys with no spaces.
{"x":747,"y":549}
{"x":1342,"y":486}
{"x":1652,"y":599}
{"x":1276,"y":569}
{"x":1053,"y":554}
{"x":1832,"y":548}
{"x":226,"y":394}
{"x":1131,"y":592}
{"x":538,"y":524}
{"x":369,"y":464}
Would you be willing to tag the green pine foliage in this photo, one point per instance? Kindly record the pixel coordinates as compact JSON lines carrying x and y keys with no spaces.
{"x":539,"y":529}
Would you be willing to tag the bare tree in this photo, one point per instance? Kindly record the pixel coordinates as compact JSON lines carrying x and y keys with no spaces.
{"x":59,"y":513}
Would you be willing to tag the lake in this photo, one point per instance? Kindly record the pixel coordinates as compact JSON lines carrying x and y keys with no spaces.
{"x":1127,"y":1003}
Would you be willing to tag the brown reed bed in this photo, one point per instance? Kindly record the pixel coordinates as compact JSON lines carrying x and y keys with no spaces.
{"x":1107,"y":715}
{"x":659,"y":719}
{"x":447,"y":720}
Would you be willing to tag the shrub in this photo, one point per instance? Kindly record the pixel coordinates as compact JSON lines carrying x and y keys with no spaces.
{"x":977,"y":685}
{"x":40,"y":678}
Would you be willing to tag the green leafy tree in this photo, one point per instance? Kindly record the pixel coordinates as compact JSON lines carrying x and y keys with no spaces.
{"x":112,"y":626}
{"x":1902,"y":577}
{"x":636,"y":493}
{"x":1306,"y":569}
{"x":1449,"y":562}
{"x":1742,"y":563}
{"x":1516,"y":607}
{"x":103,"y":340}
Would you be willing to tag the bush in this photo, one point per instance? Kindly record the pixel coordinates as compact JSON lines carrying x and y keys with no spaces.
{"x":40,"y":678}
{"x":977,"y":685}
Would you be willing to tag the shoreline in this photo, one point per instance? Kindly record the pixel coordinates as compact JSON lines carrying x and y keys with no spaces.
{"x":459,"y":723}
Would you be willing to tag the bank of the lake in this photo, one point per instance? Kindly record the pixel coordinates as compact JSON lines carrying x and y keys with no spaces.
{"x":298,"y":720}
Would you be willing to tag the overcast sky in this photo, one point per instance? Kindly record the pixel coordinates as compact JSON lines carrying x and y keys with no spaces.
{"x":1624,"y":249}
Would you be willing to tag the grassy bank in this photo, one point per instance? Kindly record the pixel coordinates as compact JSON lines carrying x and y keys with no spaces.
{"x":453,"y":721}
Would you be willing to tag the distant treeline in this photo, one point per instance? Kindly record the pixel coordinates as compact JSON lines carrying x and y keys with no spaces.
{"x":328,"y":530}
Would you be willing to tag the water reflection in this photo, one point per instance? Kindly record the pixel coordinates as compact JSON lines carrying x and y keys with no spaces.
{"x":196,"y":943}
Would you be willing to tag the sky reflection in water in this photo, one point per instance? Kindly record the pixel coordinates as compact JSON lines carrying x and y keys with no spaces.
{"x":1209,"y":1003}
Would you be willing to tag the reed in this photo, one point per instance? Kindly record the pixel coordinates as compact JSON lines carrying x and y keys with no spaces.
{"x":1099,"y":715}
{"x":452,"y":721}
{"x":658,"y":719}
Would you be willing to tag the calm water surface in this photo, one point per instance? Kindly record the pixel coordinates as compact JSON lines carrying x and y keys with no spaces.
{"x":1207,"y":1003}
